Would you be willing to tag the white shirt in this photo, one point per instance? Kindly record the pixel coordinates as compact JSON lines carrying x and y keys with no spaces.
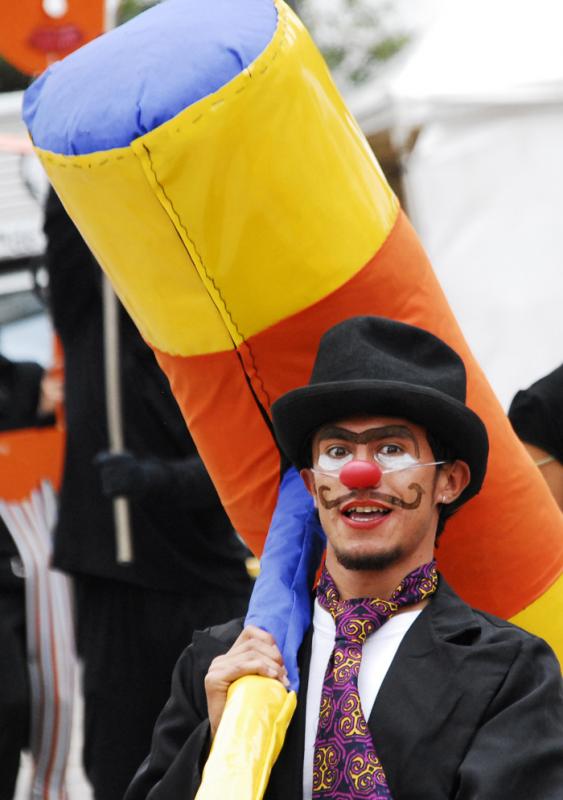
{"x":378,"y":653}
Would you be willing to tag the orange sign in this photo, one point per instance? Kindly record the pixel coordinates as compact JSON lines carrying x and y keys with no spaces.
{"x":31,"y":455}
{"x":27,"y":457}
{"x":34,"y":33}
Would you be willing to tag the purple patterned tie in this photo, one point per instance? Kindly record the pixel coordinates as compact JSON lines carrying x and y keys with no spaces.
{"x":345,"y":765}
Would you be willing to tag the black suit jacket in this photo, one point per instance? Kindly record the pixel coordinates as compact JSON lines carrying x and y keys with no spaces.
{"x":470,"y":709}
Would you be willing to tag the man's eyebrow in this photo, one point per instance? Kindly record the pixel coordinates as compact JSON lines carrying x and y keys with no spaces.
{"x":399,"y":431}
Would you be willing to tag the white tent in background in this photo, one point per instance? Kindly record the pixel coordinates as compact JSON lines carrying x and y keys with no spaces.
{"x":475,"y":114}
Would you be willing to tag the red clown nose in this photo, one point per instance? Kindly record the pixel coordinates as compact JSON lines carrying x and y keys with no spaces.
{"x":360,"y":474}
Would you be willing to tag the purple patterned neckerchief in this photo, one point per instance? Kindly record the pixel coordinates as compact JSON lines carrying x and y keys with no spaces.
{"x":345,"y":765}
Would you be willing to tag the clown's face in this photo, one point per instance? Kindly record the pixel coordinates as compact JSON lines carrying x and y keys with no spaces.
{"x":389,"y":521}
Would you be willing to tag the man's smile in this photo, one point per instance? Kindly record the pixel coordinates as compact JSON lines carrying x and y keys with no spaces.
{"x":364,"y":513}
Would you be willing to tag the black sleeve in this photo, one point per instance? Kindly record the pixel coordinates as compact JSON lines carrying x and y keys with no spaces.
{"x":74,"y":275}
{"x":181,"y":739}
{"x":183,"y":483}
{"x":180,"y":743}
{"x":20,"y":384}
{"x":518,"y":750}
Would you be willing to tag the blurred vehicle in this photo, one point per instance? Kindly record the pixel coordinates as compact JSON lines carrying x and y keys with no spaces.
{"x":25,"y":332}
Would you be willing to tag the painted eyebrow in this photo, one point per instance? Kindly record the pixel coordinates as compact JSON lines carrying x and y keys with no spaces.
{"x":372,"y":434}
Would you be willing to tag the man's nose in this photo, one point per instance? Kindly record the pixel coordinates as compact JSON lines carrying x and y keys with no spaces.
{"x":360,"y":474}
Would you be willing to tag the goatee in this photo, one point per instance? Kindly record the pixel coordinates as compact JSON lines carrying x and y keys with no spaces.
{"x":368,"y":562}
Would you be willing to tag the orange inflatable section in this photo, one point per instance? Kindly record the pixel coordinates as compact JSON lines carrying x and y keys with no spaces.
{"x":232,"y":436}
{"x":486,"y":551}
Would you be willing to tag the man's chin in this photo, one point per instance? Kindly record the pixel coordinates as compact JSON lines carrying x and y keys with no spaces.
{"x":373,"y":562}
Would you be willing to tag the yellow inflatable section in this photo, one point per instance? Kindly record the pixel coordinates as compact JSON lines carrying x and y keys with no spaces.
{"x":195,"y":187}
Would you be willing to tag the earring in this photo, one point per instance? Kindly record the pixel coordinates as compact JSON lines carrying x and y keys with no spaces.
{"x":443,"y":498}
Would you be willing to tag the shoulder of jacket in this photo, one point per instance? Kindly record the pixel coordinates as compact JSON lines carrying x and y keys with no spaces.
{"x":456,"y":621}
{"x":499,"y":627}
{"x":207,"y":644}
{"x":223,"y":635}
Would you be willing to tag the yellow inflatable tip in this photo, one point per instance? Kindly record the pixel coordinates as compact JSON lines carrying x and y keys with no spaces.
{"x":248,"y":740}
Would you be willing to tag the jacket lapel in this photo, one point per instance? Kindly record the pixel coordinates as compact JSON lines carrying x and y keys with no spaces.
{"x":416,"y":713}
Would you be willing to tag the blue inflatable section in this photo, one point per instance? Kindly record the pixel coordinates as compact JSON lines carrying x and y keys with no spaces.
{"x":136,"y":77}
{"x":281,"y":601}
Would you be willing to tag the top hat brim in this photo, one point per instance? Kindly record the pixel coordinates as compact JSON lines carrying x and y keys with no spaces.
{"x":298,"y":414}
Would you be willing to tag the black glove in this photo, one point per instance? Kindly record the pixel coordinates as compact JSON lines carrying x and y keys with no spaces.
{"x":181,"y":481}
{"x":121,"y":474}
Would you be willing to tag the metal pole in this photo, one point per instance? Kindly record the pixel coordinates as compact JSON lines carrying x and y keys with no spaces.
{"x":123,"y":539}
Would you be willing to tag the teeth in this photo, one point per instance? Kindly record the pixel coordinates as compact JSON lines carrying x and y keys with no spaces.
{"x":365,"y":510}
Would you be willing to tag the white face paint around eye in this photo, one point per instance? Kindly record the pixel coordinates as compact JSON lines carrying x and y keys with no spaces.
{"x":388,"y":462}
{"x":331,"y":463}
{"x":392,"y":445}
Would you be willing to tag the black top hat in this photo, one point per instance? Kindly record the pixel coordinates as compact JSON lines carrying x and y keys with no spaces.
{"x":373,"y":365}
{"x":536,"y":413}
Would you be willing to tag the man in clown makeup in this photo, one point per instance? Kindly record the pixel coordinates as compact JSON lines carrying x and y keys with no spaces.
{"x":406,"y":692}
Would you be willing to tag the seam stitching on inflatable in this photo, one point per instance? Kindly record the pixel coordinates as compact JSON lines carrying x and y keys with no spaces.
{"x":258,"y":376}
{"x":248,"y":71}
{"x":209,"y":277}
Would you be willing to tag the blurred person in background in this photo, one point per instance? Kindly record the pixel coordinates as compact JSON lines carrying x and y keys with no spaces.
{"x":536,"y":415}
{"x":188,"y":569}
{"x":28,"y":395}
{"x":28,"y":398}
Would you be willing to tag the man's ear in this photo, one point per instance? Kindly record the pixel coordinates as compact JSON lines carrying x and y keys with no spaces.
{"x":309,"y":481}
{"x":452,"y":480}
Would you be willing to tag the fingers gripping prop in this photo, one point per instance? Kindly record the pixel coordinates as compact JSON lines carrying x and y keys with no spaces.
{"x":199,"y":193}
{"x":248,"y":740}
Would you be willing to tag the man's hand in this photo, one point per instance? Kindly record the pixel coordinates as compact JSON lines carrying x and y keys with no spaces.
{"x":254,"y":653}
{"x":51,"y":394}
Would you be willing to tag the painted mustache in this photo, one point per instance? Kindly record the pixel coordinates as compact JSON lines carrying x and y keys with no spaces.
{"x":373,"y":495}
